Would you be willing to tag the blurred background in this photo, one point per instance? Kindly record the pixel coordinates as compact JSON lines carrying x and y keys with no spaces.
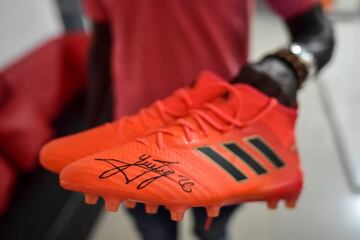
{"x":34,"y":207}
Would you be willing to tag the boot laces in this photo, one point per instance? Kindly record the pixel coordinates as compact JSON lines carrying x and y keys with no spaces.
{"x":159,"y":109}
{"x":208,"y":116}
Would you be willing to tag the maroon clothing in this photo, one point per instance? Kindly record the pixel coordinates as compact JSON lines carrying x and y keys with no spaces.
{"x":162,"y":45}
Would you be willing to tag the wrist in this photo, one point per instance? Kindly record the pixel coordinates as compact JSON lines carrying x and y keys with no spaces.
{"x":272,"y":77}
{"x":299,"y":60}
{"x":293,"y":64}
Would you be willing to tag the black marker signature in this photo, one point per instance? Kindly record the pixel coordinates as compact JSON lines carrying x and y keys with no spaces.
{"x":161,"y":169}
{"x":186,"y":183}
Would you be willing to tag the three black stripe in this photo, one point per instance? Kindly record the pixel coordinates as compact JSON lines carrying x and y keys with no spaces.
{"x":233,"y":171}
{"x":257,"y":143}
{"x":234,"y":148}
{"x":266,"y":150}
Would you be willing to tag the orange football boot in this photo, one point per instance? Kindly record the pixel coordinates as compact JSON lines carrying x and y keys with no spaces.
{"x":60,"y":152}
{"x":238,"y":148}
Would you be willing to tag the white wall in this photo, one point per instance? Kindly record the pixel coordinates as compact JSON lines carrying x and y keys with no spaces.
{"x":25,"y":24}
{"x":347,"y":5}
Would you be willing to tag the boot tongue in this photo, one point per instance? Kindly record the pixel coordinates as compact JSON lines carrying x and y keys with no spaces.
{"x":207,"y":78}
{"x":247,"y":100}
{"x":207,"y":87}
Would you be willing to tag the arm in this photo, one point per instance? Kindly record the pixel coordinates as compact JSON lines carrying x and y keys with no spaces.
{"x":278,"y":77}
{"x":313,"y":31}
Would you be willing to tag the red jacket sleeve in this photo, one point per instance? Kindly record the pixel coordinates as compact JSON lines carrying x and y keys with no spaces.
{"x":291,"y":8}
{"x":95,"y":10}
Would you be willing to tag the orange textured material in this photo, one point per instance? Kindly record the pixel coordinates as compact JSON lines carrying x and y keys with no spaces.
{"x":58,"y":153}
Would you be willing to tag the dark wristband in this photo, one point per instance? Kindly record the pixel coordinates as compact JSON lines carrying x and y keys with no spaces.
{"x":294,"y":62}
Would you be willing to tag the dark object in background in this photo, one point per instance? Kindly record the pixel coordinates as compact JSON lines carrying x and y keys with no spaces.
{"x":71,"y":14}
{"x":40,"y":209}
{"x":7,"y":182}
